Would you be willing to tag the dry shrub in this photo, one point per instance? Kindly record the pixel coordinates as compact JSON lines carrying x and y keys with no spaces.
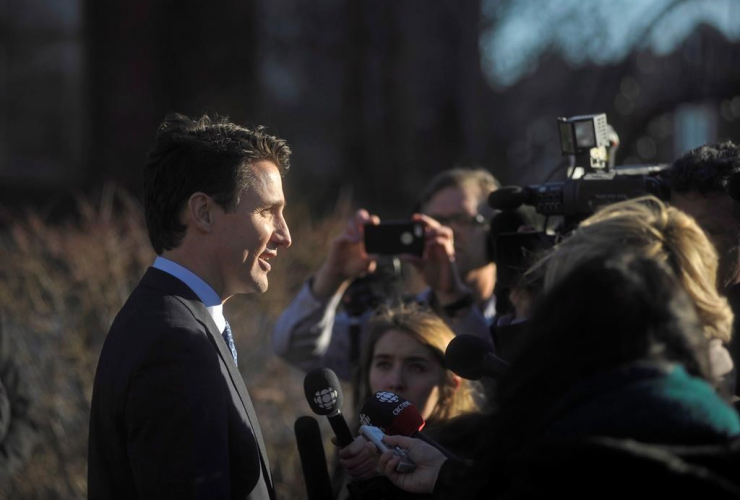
{"x":62,"y":284}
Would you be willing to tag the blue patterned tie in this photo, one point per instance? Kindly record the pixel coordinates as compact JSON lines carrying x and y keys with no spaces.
{"x":230,"y":341}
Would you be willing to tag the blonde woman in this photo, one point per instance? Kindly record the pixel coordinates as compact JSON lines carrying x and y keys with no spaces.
{"x":652,"y":229}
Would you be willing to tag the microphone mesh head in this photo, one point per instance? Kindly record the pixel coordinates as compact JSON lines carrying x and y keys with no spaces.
{"x":391,"y":413}
{"x":387,"y":397}
{"x":323,"y":391}
{"x":464,"y":355}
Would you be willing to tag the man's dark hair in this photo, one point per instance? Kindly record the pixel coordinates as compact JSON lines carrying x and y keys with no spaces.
{"x":208,"y":155}
{"x":706,"y":169}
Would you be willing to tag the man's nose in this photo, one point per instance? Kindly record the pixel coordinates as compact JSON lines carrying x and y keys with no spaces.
{"x":281,"y":236}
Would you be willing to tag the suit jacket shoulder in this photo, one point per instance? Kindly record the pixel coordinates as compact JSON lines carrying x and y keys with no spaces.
{"x":171,"y":417}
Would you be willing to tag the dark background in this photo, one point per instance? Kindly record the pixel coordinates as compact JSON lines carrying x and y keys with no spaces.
{"x":373,"y":96}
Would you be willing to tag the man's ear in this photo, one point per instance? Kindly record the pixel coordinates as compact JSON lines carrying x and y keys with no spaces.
{"x":199,"y":212}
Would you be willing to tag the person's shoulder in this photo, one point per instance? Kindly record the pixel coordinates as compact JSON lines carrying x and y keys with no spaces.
{"x":150,"y":320}
{"x":152,"y":306}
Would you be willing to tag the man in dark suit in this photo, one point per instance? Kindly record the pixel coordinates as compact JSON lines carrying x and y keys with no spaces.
{"x":171,"y":416}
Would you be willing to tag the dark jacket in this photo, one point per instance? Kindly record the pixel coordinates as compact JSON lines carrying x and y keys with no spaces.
{"x":171,"y":416}
{"x":639,"y":430}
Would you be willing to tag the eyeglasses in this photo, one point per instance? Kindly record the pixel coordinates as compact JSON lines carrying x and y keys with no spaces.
{"x":460,"y":220}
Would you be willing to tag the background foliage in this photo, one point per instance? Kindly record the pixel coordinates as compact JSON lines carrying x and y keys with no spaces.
{"x":63,"y":283}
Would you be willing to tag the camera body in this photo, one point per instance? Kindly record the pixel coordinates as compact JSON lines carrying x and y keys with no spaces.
{"x":579,"y":198}
{"x":395,"y":238}
{"x":590,"y":143}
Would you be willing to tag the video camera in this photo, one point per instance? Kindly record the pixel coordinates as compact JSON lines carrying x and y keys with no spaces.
{"x":589,"y":144}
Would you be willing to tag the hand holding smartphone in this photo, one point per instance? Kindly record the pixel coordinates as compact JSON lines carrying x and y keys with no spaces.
{"x":395,"y":238}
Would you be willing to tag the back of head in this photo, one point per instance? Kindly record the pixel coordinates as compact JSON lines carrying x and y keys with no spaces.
{"x":208,"y":155}
{"x":706,"y":169}
{"x":610,"y":311}
{"x":705,"y":183}
{"x":605,"y":315}
{"x":650,"y":229}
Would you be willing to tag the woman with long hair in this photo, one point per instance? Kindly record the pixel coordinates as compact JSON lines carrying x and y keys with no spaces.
{"x":404,"y":354}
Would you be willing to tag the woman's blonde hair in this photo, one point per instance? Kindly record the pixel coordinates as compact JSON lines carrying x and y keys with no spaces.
{"x":431,"y":331}
{"x":654,"y":230}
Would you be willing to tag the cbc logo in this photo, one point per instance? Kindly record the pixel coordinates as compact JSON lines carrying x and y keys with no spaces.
{"x":364,"y":419}
{"x":386,"y":397}
{"x":326,"y":398}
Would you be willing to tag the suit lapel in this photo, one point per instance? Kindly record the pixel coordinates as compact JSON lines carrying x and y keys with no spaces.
{"x":178,"y":289}
{"x":202,"y":314}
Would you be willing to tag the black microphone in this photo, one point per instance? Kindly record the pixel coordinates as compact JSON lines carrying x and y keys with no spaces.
{"x":397,"y":417}
{"x":324,"y":396}
{"x":472,"y":357}
{"x":313,"y":458}
{"x":509,"y":197}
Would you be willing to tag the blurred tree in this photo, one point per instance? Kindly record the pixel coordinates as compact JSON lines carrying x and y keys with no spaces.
{"x":378,"y":96}
{"x":639,"y":65}
{"x":41,"y":100}
{"x":375,"y":95}
{"x":414,"y":95}
{"x":147,"y":59}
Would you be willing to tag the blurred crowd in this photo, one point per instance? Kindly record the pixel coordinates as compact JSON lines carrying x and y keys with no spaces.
{"x":607,"y":363}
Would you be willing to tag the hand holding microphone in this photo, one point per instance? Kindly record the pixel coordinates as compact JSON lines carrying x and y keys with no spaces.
{"x":399,"y":419}
{"x":397,"y":416}
{"x":428,"y":462}
{"x":376,"y":436}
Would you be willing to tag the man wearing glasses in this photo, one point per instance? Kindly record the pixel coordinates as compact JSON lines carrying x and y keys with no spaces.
{"x":456,"y":268}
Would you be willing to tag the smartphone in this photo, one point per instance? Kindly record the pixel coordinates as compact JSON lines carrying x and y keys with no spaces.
{"x":395,"y":238}
{"x":375,"y":436}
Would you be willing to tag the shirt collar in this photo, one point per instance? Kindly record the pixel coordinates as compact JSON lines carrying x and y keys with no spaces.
{"x":203,"y":290}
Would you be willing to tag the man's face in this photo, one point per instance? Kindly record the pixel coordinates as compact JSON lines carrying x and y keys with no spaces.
{"x":247,"y":238}
{"x":457,"y":208}
{"x":715,"y":214}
